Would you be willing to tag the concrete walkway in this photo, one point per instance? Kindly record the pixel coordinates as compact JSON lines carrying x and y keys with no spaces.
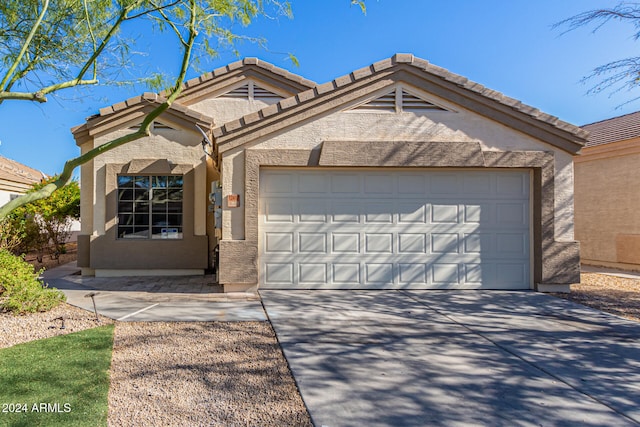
{"x":445,"y":358}
{"x":179,"y":299}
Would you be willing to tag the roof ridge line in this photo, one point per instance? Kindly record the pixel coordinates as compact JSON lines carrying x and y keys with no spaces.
{"x":400,"y":59}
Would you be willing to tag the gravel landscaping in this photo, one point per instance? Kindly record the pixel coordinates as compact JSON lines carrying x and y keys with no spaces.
{"x":213,"y":373}
{"x":19,"y":329}
{"x":615,"y":295}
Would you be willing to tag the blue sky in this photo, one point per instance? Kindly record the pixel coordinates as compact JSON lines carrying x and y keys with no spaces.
{"x":508,"y":46}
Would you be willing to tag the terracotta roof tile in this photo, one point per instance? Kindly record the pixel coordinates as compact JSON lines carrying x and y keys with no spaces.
{"x":615,"y":129}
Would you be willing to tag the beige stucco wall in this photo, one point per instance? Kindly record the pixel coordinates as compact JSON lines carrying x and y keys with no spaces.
{"x":225,"y":109}
{"x":607,"y":218}
{"x":176,"y":146}
{"x":458,"y":125}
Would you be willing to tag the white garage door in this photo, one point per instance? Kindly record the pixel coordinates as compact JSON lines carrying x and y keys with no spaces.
{"x":335,"y":229}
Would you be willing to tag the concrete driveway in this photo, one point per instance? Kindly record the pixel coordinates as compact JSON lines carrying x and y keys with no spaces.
{"x":155,"y":299}
{"x":418,"y":358}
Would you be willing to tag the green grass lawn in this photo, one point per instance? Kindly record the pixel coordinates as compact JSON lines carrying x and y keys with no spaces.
{"x":60,"y":381}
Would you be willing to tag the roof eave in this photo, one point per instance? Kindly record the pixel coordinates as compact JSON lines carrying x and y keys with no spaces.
{"x":456,"y":88}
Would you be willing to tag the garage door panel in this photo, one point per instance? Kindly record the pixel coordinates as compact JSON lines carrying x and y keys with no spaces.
{"x":412,"y":273}
{"x":334,"y":230}
{"x":345,"y":184}
{"x":444,"y":214}
{"x":511,"y":214}
{"x":511,"y":185}
{"x":278,"y":210}
{"x":312,"y":211}
{"x":279,"y":273}
{"x":312,"y":274}
{"x":411,"y":213}
{"x":345,"y":212}
{"x":411,"y":185}
{"x":412,"y":243}
{"x":346,"y":273}
{"x":312,"y":243}
{"x":378,"y":243}
{"x":478,"y":184}
{"x":279,"y":242}
{"x":479,"y":213}
{"x":345,"y":243}
{"x":444,"y":183}
{"x":312,"y":184}
{"x":378,"y":273}
{"x":444,"y":243}
{"x":378,"y":184}
{"x":445,"y":274}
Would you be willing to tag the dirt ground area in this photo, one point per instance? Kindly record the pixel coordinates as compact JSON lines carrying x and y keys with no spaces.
{"x":48,"y":262}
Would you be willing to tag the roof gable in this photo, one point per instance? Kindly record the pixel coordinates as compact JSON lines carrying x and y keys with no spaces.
{"x":264,"y":79}
{"x":126,"y":113}
{"x":332,"y":96}
{"x":263,"y":74}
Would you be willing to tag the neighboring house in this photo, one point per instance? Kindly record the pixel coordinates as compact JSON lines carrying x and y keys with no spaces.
{"x":398,"y":175}
{"x":16,"y":179}
{"x":607,"y":194}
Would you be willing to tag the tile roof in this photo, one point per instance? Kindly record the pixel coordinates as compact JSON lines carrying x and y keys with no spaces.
{"x":11,"y":170}
{"x":245,"y":63}
{"x":615,"y":129}
{"x":191,"y":86}
{"x":408,"y":59}
{"x":137,"y":102}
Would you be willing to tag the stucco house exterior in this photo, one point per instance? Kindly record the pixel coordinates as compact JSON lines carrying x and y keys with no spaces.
{"x":398,"y":175}
{"x":16,"y":179}
{"x":607,"y":175}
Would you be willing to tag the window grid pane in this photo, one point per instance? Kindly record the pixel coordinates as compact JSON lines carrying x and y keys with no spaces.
{"x":150,"y":207}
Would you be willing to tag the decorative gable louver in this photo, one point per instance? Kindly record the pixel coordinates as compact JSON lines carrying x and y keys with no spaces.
{"x":262,"y":94}
{"x":384,"y":103}
{"x":398,"y":100}
{"x":154,"y":126}
{"x":252,"y":91}
{"x":239,"y":92}
{"x":412,"y":103}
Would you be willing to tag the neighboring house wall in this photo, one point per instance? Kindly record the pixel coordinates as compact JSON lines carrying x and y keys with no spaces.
{"x":16,"y":179}
{"x":607,"y":217}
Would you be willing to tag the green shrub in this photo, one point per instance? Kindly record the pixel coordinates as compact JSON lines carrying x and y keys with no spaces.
{"x":20,"y":290}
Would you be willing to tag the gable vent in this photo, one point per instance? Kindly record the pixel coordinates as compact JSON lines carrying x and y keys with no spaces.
{"x":252,"y":91}
{"x":384,"y":103}
{"x":262,"y":94}
{"x":154,"y":125}
{"x":399,"y":100}
{"x":240,"y":92}
{"x":158,"y":125}
{"x":412,"y":103}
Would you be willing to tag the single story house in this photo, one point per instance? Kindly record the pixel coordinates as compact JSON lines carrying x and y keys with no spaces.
{"x":16,"y":179}
{"x":398,"y":175}
{"x":607,"y":183}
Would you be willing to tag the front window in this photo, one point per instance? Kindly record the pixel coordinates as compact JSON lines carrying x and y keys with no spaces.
{"x":149,"y":207}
